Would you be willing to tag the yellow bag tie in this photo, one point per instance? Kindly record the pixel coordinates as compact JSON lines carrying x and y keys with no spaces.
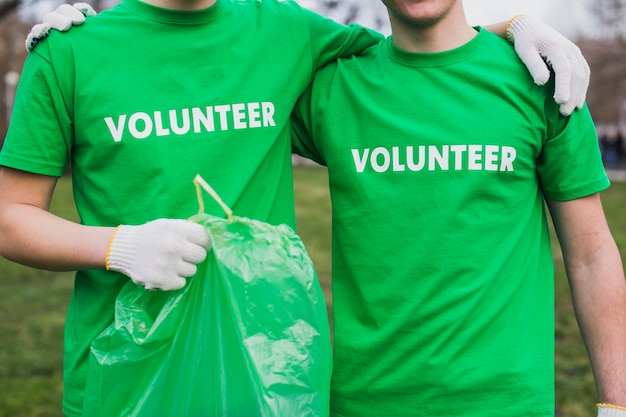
{"x":200,"y":182}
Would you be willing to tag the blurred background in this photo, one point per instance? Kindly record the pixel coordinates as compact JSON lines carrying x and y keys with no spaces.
{"x":33,"y":303}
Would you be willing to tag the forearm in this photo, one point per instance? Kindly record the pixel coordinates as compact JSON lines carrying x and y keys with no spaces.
{"x":158,"y":254}
{"x":599,"y":294}
{"x":596,"y":277}
{"x":498,"y":28}
{"x":34,"y":237}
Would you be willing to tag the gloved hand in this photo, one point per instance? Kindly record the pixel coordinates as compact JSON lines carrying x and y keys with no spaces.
{"x":606,"y":410}
{"x":535,"y":41}
{"x":61,"y":19}
{"x":159,"y":254}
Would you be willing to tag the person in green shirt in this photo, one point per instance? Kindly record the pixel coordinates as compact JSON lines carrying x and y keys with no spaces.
{"x":138,"y":116}
{"x":441,"y":155}
{"x":139,"y":100}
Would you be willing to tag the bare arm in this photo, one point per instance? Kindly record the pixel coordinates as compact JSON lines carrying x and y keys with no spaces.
{"x":31,"y":235}
{"x":498,"y":28}
{"x":596,"y":277}
{"x":159,"y":254}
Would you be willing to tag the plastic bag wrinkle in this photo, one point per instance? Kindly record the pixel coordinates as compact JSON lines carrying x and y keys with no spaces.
{"x":247,"y":336}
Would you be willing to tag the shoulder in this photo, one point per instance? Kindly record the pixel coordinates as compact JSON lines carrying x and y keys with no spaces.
{"x":368,"y":62}
{"x":90,"y":27}
{"x":290,"y":10}
{"x":279,"y":6}
{"x":500,"y":59}
{"x":357,"y":71}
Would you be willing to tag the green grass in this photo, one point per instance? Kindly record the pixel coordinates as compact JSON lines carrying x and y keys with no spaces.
{"x":314,"y":218}
{"x":33,"y":310}
{"x":34,"y":304}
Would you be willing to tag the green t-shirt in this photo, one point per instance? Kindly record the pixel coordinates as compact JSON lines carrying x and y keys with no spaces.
{"x":442,"y":269}
{"x":141,"y":99}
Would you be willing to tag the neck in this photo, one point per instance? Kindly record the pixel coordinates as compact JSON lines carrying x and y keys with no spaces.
{"x":449,"y":32}
{"x":188,"y":5}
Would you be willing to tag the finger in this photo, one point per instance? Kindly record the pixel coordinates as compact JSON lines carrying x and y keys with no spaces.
{"x":75,"y":15}
{"x":186,"y":269}
{"x":197,"y":234}
{"x":562,"y":74}
{"x":58,"y":21}
{"x":567,"y":108}
{"x":172,"y":283}
{"x":37,"y":33}
{"x":175,"y":284}
{"x":580,"y":82}
{"x":194,"y":253}
{"x":536,"y":66}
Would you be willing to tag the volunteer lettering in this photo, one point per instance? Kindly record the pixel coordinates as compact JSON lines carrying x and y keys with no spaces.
{"x":142,"y":125}
{"x":435,"y":158}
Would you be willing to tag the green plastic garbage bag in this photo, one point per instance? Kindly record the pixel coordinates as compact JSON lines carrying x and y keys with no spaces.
{"x":247,"y":336}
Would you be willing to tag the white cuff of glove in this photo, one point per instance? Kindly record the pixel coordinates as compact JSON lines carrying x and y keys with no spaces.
{"x":607,"y":410}
{"x":159,"y":254}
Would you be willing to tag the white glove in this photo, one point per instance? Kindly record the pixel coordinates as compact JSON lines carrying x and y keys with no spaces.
{"x":61,"y":19}
{"x":535,"y":41}
{"x":605,"y":410}
{"x":159,"y":254}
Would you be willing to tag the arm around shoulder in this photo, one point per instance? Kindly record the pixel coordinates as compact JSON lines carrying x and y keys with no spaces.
{"x":542,"y":49}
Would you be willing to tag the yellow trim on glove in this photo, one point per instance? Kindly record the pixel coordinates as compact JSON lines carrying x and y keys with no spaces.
{"x":616,"y":407}
{"x":508,"y":27}
{"x":108,"y":252}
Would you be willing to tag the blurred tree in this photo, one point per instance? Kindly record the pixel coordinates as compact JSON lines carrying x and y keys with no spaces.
{"x":611,"y":16}
{"x":12,"y":53}
{"x":6,"y":6}
{"x":606,"y":54}
{"x":17,"y":16}
{"x":370,"y":13}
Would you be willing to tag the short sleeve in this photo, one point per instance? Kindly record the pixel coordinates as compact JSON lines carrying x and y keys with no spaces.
{"x":570,"y":164}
